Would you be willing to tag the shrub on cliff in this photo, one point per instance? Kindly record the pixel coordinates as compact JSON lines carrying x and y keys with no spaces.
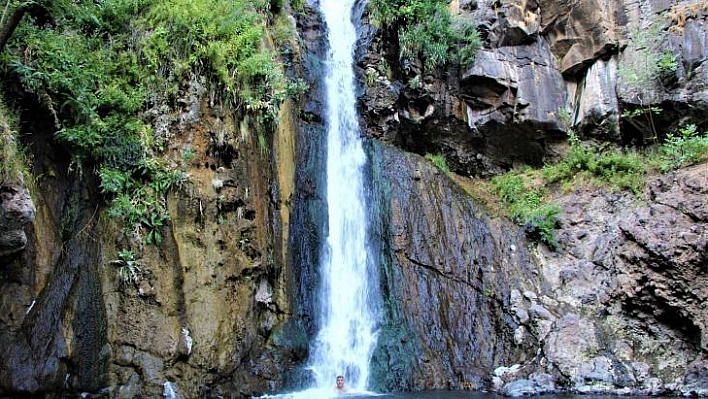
{"x":526,"y":205}
{"x":105,"y":71}
{"x":644,"y":65}
{"x":426,"y":30}
{"x":439,"y":162}
{"x":623,"y":170}
{"x":526,"y":198}
{"x":685,"y":147}
{"x":13,"y":160}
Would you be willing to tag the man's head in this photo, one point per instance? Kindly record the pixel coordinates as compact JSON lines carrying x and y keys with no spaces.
{"x":340,"y":382}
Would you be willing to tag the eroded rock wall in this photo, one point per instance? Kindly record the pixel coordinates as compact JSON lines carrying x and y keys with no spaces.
{"x":624,"y":289}
{"x":206,"y":300}
{"x":470,"y":304}
{"x":53,"y":326}
{"x":214,"y":301}
{"x":16,"y":210}
{"x":224,"y":306}
{"x":545,"y":67}
{"x":614,"y":310}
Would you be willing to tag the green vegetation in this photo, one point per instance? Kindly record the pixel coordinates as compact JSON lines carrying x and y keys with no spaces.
{"x":686,"y":147}
{"x":10,"y":163}
{"x":414,"y":83}
{"x":647,"y":62}
{"x":528,"y":202}
{"x":426,"y":30}
{"x":218,"y":38}
{"x":667,"y":63}
{"x":106,"y":70}
{"x":298,"y":5}
{"x":370,"y":77}
{"x":14,"y":162}
{"x":128,"y":268}
{"x":188,"y":154}
{"x":439,"y":162}
{"x":525,"y":201}
{"x":640,"y":73}
{"x":614,"y":168}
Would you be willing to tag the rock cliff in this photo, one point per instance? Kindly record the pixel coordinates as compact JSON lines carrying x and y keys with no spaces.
{"x":204,"y":302}
{"x":470,"y":305}
{"x":612,"y":311}
{"x":17,"y":210}
{"x":545,"y":67}
{"x":224,"y":306}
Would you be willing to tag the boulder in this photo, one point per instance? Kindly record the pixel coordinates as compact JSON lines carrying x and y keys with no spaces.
{"x":16,"y":210}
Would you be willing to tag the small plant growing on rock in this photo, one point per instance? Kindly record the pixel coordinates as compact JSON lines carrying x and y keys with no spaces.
{"x":526,"y":207}
{"x":686,"y":147}
{"x":13,"y":159}
{"x":641,"y":69}
{"x":154,"y":222}
{"x":439,"y":162}
{"x":414,"y":83}
{"x":188,"y":154}
{"x":128,"y":268}
{"x":298,"y":5}
{"x":668,"y":62}
{"x":566,"y":118}
{"x":370,"y":77}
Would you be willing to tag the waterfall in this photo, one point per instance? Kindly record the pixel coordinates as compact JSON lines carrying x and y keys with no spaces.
{"x":349,"y":282}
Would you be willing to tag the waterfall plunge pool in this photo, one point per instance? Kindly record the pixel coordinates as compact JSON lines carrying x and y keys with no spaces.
{"x":435,"y":394}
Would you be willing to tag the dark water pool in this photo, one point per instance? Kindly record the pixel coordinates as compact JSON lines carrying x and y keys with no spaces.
{"x":328,"y":394}
{"x":428,"y":395}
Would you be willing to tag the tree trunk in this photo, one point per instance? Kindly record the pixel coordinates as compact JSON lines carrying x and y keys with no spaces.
{"x":9,"y":24}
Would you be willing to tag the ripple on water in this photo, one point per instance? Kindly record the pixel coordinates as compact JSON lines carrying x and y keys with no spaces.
{"x":324,"y":393}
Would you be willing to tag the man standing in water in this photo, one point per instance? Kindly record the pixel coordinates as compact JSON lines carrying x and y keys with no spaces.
{"x":340,"y":384}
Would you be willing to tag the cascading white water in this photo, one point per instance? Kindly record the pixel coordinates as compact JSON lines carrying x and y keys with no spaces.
{"x":348,"y":315}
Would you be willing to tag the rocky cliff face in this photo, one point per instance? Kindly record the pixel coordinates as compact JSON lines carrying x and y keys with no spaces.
{"x":469,"y":304}
{"x":448,"y":271}
{"x":17,"y":210}
{"x":546,"y":66}
{"x":205,"y":300}
{"x":613,"y":310}
{"x":53,"y":325}
{"x":223,"y":307}
{"x":16,"y":206}
{"x":623,"y":292}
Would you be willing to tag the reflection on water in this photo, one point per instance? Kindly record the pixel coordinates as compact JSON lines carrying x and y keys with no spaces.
{"x":439,"y":394}
{"x":427,"y":395}
{"x":326,"y":393}
{"x":331,"y":394}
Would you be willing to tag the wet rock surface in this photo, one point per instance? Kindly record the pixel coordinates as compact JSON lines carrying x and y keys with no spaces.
{"x":448,"y":277}
{"x":619,"y":309}
{"x":53,"y":329}
{"x":16,"y":211}
{"x":469,"y":303}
